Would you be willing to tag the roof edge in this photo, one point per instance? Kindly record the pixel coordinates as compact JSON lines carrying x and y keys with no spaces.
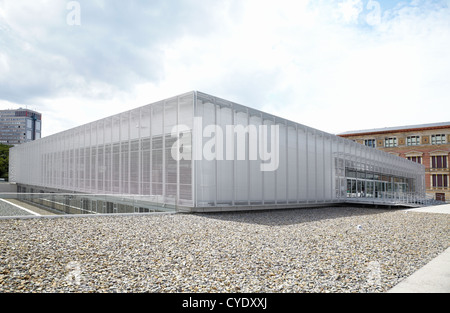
{"x":386,"y":130}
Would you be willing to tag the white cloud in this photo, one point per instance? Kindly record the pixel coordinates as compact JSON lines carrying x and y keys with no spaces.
{"x":349,"y":10}
{"x":4,"y":64}
{"x":356,"y":78}
{"x":320,"y":63}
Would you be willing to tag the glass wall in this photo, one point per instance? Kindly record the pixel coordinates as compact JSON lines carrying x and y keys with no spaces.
{"x":221,"y":155}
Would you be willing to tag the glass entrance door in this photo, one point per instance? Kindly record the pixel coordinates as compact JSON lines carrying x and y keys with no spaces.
{"x":351,"y":188}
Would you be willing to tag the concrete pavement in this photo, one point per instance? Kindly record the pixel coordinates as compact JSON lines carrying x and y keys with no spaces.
{"x":433,"y":277}
{"x":444,"y":209}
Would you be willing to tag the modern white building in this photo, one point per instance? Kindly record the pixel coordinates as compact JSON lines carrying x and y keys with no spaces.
{"x":196,"y":152}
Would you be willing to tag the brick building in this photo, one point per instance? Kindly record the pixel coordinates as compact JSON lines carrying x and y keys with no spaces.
{"x":427,"y":144}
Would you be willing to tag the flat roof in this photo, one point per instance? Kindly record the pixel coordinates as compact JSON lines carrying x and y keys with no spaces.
{"x":397,"y":128}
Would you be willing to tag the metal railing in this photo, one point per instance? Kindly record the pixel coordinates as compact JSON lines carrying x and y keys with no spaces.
{"x":394,"y":198}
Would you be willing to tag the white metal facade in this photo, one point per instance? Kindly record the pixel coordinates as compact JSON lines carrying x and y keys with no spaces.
{"x":130,"y":154}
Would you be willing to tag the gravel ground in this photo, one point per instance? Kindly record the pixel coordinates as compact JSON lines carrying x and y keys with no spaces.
{"x":306,"y":250}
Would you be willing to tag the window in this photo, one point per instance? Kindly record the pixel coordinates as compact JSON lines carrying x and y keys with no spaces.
{"x":439,"y":161}
{"x":369,"y":143}
{"x":390,"y":142}
{"x":109,"y":207}
{"x":440,"y":180}
{"x":416,"y":159}
{"x":438,"y":139}
{"x":413,"y":140}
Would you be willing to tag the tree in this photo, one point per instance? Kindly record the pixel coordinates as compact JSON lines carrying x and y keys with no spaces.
{"x":4,"y":161}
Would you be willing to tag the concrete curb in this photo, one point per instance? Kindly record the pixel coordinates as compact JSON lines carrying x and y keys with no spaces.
{"x":433,"y":277}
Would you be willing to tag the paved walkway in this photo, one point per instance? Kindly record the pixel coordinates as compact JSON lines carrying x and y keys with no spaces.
{"x":28,"y":207}
{"x":445,"y":209}
{"x":433,"y":277}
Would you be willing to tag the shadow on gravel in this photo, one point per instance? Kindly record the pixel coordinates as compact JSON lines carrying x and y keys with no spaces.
{"x":293,"y":216}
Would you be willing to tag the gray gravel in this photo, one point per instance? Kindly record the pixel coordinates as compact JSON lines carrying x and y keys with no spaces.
{"x":305,"y":250}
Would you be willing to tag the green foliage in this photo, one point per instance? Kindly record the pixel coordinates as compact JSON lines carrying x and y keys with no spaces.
{"x":4,"y":161}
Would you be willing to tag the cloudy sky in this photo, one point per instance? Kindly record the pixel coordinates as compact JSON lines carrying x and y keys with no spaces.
{"x":332,"y":65}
